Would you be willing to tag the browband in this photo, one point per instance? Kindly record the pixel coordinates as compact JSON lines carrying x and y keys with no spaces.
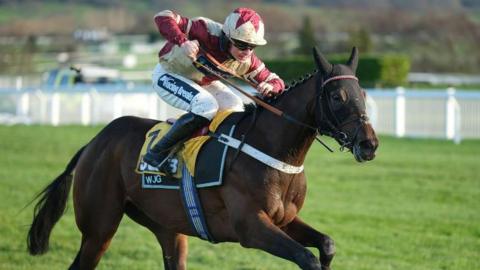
{"x":340,"y":77}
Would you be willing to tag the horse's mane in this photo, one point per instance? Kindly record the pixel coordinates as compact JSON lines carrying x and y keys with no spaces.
{"x":295,"y":83}
{"x":291,"y":86}
{"x":301,"y":80}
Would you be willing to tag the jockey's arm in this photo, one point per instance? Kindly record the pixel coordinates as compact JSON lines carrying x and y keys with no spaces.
{"x":172,"y":26}
{"x":176,"y":29}
{"x":266,"y":81}
{"x":275,"y":86}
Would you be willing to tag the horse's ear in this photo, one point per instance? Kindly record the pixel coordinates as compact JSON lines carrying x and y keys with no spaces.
{"x":353,"y":61}
{"x":322,"y":63}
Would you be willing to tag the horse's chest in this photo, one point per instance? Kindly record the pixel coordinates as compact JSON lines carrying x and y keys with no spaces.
{"x":283,"y":213}
{"x":284,"y":204}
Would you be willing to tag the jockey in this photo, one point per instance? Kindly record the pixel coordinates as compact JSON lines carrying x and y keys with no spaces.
{"x":191,"y":88}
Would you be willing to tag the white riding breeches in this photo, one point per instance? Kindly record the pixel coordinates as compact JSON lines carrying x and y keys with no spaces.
{"x":185,"y":94}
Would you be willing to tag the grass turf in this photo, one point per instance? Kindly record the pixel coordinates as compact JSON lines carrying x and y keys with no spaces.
{"x":415,"y":207}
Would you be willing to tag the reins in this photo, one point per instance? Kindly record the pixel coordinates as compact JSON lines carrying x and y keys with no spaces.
{"x":258,"y":101}
{"x":267,"y":106}
{"x":255,"y":99}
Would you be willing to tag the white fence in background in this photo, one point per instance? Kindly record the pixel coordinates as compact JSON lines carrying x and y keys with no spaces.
{"x":447,"y":79}
{"x":445,"y":114}
{"x":448,"y":114}
{"x":81,"y":105}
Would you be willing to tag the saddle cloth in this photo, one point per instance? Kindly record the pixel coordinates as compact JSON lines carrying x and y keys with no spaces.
{"x":203,"y":157}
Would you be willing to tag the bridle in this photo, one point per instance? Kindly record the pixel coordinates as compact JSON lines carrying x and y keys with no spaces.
{"x":339,"y":77}
{"x":334,"y":129}
{"x":321,"y":118}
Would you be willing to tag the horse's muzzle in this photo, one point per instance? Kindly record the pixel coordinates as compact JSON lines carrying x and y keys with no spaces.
{"x":365,"y":150}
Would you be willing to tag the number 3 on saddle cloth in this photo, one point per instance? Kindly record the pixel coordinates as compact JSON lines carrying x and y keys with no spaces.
{"x":202,"y":156}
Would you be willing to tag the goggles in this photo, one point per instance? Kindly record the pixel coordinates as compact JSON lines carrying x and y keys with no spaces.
{"x":241,"y":45}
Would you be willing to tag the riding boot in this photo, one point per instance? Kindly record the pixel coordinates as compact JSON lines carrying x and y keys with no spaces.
{"x":181,"y":129}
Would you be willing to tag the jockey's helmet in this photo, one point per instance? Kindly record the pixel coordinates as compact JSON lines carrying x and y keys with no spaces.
{"x":244,"y":24}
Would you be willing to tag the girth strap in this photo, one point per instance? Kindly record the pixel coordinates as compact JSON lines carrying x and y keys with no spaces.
{"x":193,"y":206}
{"x":260,"y":156}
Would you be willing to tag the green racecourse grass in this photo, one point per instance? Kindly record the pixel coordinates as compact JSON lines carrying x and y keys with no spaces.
{"x":417,"y":206}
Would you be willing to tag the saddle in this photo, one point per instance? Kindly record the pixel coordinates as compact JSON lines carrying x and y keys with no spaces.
{"x":206,"y":173}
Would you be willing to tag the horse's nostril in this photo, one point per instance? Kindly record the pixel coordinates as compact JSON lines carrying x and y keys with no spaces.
{"x":365,"y":150}
{"x":368,"y":145}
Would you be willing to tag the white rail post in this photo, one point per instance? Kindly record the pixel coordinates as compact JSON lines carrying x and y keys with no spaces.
{"x":18,"y":82}
{"x":452,"y":117}
{"x":23,"y":105}
{"x":23,"y":102}
{"x":86,"y":109}
{"x":373,"y":110}
{"x":117,"y":105}
{"x":458,"y":123}
{"x":43,"y":106}
{"x":55,"y":109}
{"x":400,"y":112}
{"x":95,"y":105}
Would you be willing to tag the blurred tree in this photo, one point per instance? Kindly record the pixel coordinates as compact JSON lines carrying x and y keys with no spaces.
{"x":361,"y":39}
{"x":25,"y":61}
{"x":306,"y":37}
{"x":31,"y":44}
{"x":153,"y":36}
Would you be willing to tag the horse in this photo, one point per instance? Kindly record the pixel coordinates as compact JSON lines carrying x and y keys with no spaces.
{"x":256,"y":206}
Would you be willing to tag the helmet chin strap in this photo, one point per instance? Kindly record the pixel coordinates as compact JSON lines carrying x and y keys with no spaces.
{"x":224,"y":43}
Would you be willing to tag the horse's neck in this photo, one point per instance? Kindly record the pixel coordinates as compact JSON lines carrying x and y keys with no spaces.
{"x":280,"y":137}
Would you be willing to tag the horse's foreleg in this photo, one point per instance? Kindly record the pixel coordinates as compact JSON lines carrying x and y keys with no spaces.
{"x":258,"y":231}
{"x":309,"y":237}
{"x":174,"y":249}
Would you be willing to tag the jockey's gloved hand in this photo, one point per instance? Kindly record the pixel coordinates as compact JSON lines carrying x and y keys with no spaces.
{"x":267,"y":90}
{"x":190,"y":48}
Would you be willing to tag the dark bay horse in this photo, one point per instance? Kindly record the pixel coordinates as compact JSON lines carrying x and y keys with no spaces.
{"x":256,"y":206}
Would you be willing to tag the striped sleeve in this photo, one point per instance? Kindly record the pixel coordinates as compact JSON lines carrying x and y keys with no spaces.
{"x":172,"y":26}
{"x":259,"y":73}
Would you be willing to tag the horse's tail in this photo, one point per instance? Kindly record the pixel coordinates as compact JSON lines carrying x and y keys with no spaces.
{"x":50,"y":208}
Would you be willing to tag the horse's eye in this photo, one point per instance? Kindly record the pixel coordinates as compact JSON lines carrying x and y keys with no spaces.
{"x":340,"y":96}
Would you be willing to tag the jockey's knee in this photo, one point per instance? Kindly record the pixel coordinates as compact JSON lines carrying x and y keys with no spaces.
{"x":226,"y":99}
{"x":205,"y":105}
{"x":236,"y":104}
